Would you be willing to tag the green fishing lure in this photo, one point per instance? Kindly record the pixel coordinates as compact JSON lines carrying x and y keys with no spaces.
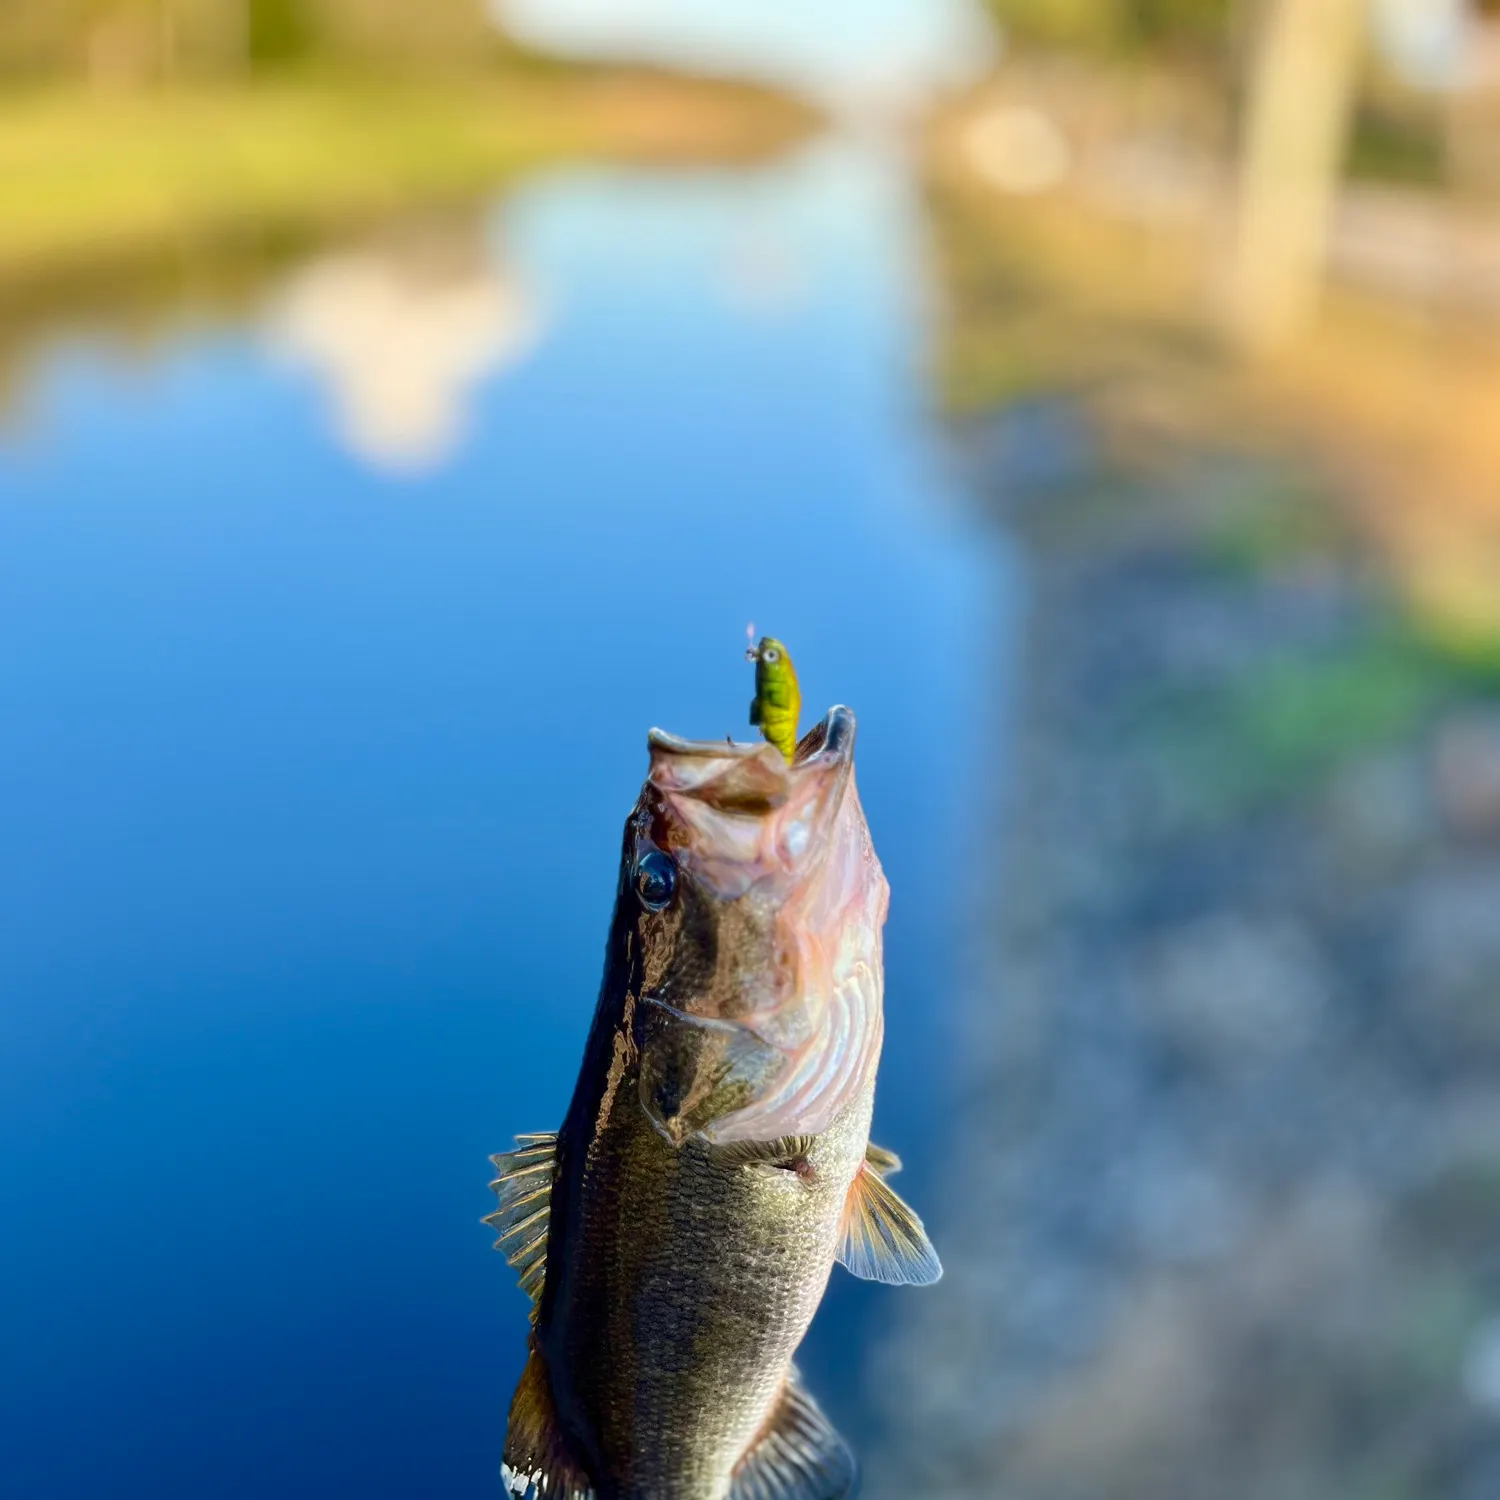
{"x":777,"y":704}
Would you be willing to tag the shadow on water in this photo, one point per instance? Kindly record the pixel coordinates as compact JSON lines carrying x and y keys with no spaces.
{"x":340,"y":628}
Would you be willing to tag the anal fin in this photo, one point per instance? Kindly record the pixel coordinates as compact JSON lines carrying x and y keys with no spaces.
{"x":537,"y":1460}
{"x":799,"y":1455}
{"x":883,"y":1240}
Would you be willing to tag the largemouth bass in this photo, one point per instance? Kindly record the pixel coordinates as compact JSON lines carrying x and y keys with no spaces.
{"x":677,"y":1233}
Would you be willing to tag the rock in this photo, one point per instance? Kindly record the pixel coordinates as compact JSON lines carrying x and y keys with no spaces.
{"x":1466,"y":773}
{"x":1450,"y":955}
{"x":1381,"y":811}
{"x":1482,"y":1368}
{"x":1237,"y":991}
{"x":1226,"y":1161}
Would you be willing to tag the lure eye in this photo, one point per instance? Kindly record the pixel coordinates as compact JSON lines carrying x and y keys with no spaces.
{"x":771,"y":655}
{"x":655,"y":879}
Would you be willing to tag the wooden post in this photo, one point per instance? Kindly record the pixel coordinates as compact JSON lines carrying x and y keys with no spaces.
{"x":1299,"y":100}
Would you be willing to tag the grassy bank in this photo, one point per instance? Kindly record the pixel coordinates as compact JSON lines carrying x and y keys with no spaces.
{"x":91,"y":180}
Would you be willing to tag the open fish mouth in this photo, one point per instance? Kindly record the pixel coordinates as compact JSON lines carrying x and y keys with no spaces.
{"x":774,"y":1023}
{"x":734,"y":814}
{"x":831,"y":738}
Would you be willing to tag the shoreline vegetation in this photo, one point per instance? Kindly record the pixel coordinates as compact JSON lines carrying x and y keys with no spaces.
{"x":1384,"y":393}
{"x":103,"y":184}
{"x":1242,"y":916}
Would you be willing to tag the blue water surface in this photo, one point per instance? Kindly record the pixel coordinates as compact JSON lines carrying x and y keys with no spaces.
{"x":312,"y":776}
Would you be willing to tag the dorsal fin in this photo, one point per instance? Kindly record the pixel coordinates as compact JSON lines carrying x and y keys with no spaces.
{"x":798,"y":1455}
{"x":524,"y":1188}
{"x":883,"y":1239}
{"x":537,"y":1459}
{"x":887,"y":1163}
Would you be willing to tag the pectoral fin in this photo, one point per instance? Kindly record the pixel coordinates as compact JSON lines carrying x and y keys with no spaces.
{"x":524,"y":1188}
{"x":537,"y":1460}
{"x":798,"y":1456}
{"x":887,"y":1163}
{"x":883,"y":1239}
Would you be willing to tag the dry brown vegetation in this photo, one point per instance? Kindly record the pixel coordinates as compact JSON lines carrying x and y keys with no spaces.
{"x":1398,"y":399}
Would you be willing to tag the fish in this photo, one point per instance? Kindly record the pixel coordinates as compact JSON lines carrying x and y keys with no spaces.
{"x":677,"y":1232}
{"x":777,"y":704}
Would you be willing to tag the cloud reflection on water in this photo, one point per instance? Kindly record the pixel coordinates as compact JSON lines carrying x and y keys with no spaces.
{"x":400,"y":336}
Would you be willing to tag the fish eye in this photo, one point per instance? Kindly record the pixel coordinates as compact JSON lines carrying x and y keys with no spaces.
{"x":771,"y":654}
{"x":655,"y":878}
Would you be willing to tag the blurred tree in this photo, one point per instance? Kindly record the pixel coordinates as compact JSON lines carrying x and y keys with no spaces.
{"x":443,"y":33}
{"x":126,"y":42}
{"x":1118,"y":25}
{"x":120,"y":41}
{"x":279,"y":31}
{"x":133,"y":41}
{"x":28,"y":37}
{"x":1472,"y":109}
{"x":1293,"y":90}
{"x":1299,"y":100}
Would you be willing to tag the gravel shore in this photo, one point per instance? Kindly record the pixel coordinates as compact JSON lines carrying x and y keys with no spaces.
{"x":1222,"y":1207}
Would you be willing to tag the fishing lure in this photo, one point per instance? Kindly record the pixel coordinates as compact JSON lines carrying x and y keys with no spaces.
{"x":777,"y":704}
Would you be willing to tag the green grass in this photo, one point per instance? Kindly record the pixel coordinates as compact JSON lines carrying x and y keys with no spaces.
{"x":1301,"y":717}
{"x":89,"y":178}
{"x":1287,"y":726}
{"x":1274,"y":520}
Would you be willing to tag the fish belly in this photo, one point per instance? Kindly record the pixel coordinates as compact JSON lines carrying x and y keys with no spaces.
{"x":685,"y":1288}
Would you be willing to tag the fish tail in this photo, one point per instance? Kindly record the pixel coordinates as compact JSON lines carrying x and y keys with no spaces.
{"x":538,"y":1460}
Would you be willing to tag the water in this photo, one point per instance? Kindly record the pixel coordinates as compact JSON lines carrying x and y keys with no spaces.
{"x":840,"y":51}
{"x":325,"y":686}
